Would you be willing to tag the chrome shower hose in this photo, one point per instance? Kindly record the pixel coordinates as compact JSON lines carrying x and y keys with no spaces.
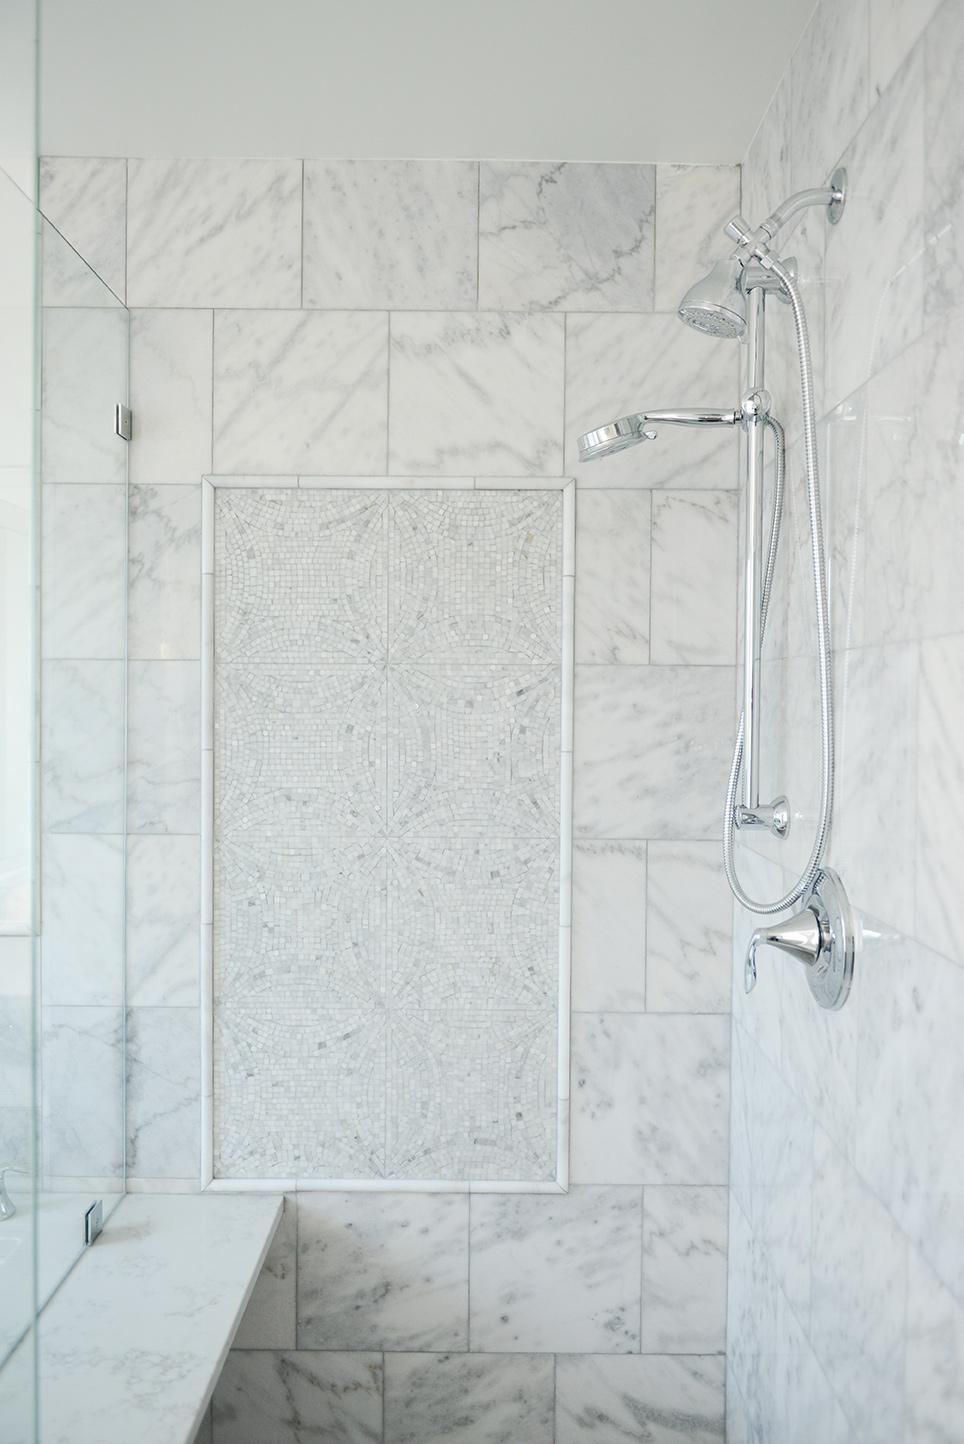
{"x":824,"y":662}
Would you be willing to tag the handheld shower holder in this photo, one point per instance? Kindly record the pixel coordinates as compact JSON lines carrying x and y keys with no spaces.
{"x":820,"y":936}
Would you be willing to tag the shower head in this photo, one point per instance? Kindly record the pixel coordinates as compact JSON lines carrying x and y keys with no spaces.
{"x":716,"y":305}
{"x":614,"y":436}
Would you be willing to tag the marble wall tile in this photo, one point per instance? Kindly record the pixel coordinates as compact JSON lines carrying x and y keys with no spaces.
{"x":82,"y":1122}
{"x":270,"y":1319}
{"x":83,"y":919}
{"x":85,"y":197}
{"x":693,"y":203}
{"x":875,"y":262}
{"x":290,"y":1397}
{"x":171,"y":382}
{"x":485,"y":1398}
{"x":163,"y":758}
{"x":85,"y":352}
{"x":391,"y":234}
{"x":895,"y":26}
{"x":476,"y":394}
{"x":65,"y":277}
{"x":382,"y":1270}
{"x":613,"y":576}
{"x":859,"y":1283}
{"x":82,"y":742}
{"x":934,"y":1358}
{"x":819,"y":1053}
{"x":300,"y":391}
{"x":163,"y":921}
{"x":940,"y":789}
{"x":944,"y":172}
{"x":694,"y":578}
{"x":830,"y":89}
{"x":609,"y":925}
{"x":621,"y":364}
{"x":688,"y":932}
{"x":213,"y":232}
{"x":650,"y":751}
{"x":684,"y":1270}
{"x":164,"y":584}
{"x":650,"y":1098}
{"x":559,"y":236}
{"x":765,"y":174}
{"x":556,"y":1272}
{"x":657,"y":1397}
{"x":163,"y":1089}
{"x":84,"y":574}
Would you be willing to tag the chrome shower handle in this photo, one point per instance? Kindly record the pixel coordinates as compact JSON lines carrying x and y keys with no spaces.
{"x":821,"y":936}
{"x":802,"y":936}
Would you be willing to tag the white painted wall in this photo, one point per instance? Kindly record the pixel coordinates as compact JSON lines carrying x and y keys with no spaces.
{"x":616,"y":80}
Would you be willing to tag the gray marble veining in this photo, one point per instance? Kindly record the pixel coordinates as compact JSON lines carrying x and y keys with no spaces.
{"x":82,"y":593}
{"x":82,"y":1109}
{"x":171,"y":361}
{"x":163,"y":758}
{"x":692,"y":204}
{"x":270,"y":1319}
{"x":657,"y":1398}
{"x":162,"y":1089}
{"x":82,"y":770}
{"x":85,"y":197}
{"x":694,"y":577}
{"x":163,"y":921}
{"x":83,"y":922}
{"x":288,"y":1397}
{"x":613,"y":542}
{"x":684,"y":1270}
{"x":688,"y":927}
{"x":164,"y":576}
{"x":475,"y":1398}
{"x":609,"y":925}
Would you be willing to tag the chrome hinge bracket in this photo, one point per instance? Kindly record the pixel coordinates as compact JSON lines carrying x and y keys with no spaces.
{"x":122,"y":421}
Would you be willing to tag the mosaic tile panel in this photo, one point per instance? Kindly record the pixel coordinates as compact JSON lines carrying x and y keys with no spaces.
{"x":387,"y":706}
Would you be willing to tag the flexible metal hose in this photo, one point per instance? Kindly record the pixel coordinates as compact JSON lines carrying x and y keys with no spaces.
{"x":824,"y":660}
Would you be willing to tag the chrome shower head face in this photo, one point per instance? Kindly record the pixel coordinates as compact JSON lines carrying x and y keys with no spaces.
{"x":716,"y":305}
{"x":614,"y":436}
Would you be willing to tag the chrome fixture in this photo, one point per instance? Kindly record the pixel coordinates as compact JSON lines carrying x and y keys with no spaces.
{"x":628,"y":430}
{"x":730,"y":302}
{"x":7,"y":1206}
{"x":820,"y":936}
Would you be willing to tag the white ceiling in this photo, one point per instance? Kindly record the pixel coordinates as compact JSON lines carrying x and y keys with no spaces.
{"x":618,"y":80}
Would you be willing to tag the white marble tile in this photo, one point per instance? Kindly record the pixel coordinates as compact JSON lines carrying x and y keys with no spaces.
{"x":940,"y":790}
{"x":83,"y":919}
{"x":163,"y":756}
{"x":570,"y":237}
{"x":934,"y":1358}
{"x":82,"y":1111}
{"x":476,"y":394}
{"x":944,"y":172}
{"x":476,"y":1398}
{"x":613,"y":576}
{"x":693,"y":203}
{"x":655,"y":1398}
{"x":85,"y":352}
{"x":684,"y":1270}
{"x":289,"y":1397}
{"x":859,"y":1283}
{"x":875,"y":257}
{"x":300,"y":392}
{"x":383,"y":1270}
{"x":688,"y":929}
{"x":213,"y":232}
{"x":694,"y":578}
{"x":895,"y":26}
{"x":765,"y":175}
{"x":270,"y":1319}
{"x":82,"y":586}
{"x":85,"y":197}
{"x":819,"y":1054}
{"x":163,"y":921}
{"x":830,"y":89}
{"x":391,"y":234}
{"x":66,"y":278}
{"x":650,"y":1098}
{"x":609,"y":923}
{"x":556,"y":1273}
{"x":621,"y":364}
{"x":164,"y":576}
{"x":82,"y":742}
{"x":171,"y":381}
{"x":163,"y":1089}
{"x":651,"y":750}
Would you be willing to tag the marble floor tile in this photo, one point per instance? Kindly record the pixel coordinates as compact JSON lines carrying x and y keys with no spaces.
{"x":163,"y":921}
{"x":164,"y":576}
{"x":651,"y":755}
{"x":383,"y":1270}
{"x":163,"y":1090}
{"x":82,"y":741}
{"x":476,"y":394}
{"x":289,"y":1397}
{"x":163,"y":757}
{"x":269,"y":1321}
{"x":694,"y":573}
{"x":85,"y":197}
{"x":660,"y":1399}
{"x":692,"y":204}
{"x":300,"y":391}
{"x":556,"y":1272}
{"x":684,"y":1270}
{"x":171,"y":381}
{"x":83,"y":583}
{"x":613,"y":576}
{"x":561,"y":236}
{"x":391,"y":234}
{"x":609,"y":925}
{"x":213,"y":232}
{"x":85,"y":360}
{"x":83,"y":919}
{"x":475,"y":1398}
{"x":650,"y":1098}
{"x":688,"y":929}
